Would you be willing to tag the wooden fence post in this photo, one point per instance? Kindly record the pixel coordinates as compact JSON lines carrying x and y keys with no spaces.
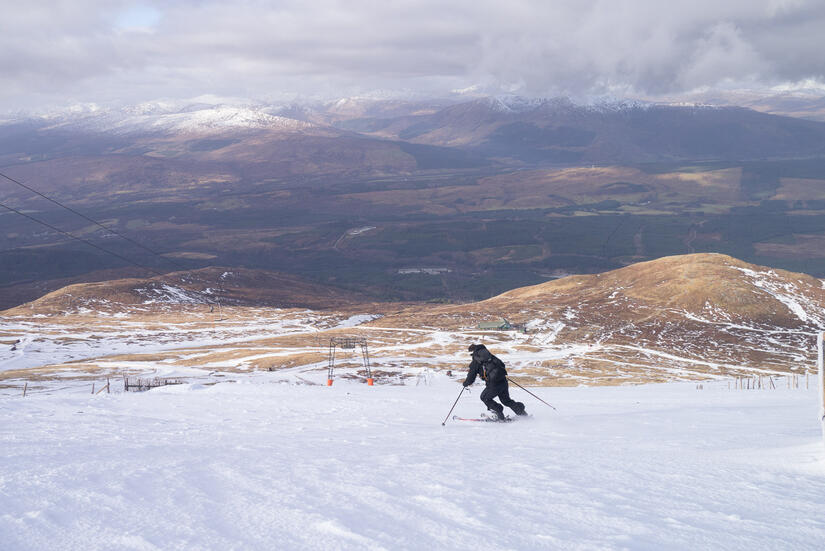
{"x":25,"y":388}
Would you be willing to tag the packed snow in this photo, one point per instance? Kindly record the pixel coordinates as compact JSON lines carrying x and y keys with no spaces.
{"x":266,"y":463}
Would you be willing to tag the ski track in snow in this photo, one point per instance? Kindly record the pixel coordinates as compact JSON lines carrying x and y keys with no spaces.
{"x":261,"y":465}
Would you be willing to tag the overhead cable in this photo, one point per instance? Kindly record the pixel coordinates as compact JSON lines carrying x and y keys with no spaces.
{"x":98,"y":247}
{"x":93,"y":221}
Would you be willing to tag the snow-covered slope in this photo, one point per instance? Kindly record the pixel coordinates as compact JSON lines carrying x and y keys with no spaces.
{"x":220,"y":118}
{"x":256,"y":452}
{"x":261,"y":465}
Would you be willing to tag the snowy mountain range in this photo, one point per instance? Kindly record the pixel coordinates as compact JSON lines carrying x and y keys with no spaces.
{"x":216,"y":114}
{"x":170,"y":118}
{"x":555,"y":130}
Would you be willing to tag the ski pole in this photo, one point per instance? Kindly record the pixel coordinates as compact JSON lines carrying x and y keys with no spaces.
{"x":463,"y":388}
{"x":530,"y":393}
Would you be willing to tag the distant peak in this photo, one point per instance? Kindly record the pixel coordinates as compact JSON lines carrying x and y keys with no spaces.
{"x":515,"y":104}
{"x":168,"y":116}
{"x":520,"y":104}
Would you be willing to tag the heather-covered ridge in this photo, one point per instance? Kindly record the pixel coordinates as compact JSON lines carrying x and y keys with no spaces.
{"x":212,"y":287}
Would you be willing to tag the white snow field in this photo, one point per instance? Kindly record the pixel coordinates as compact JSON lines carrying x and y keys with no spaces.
{"x":264,"y":463}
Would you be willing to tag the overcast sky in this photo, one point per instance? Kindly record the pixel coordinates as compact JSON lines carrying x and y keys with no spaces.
{"x":115,"y":52}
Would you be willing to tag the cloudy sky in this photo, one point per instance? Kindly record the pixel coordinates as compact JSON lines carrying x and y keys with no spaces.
{"x":115,"y":52}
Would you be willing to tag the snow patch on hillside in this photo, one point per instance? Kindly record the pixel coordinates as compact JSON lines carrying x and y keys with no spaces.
{"x":358,"y":319}
{"x":786,"y":293}
{"x":53,"y":343}
{"x":168,"y":294}
{"x":223,"y":118}
{"x":545,"y":331}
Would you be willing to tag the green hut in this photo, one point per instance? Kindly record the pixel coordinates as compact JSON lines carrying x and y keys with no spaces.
{"x":502,"y":325}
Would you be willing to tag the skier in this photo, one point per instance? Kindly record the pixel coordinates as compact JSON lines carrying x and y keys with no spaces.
{"x":492,"y":371}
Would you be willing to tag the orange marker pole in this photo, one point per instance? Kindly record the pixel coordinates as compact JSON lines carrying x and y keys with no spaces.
{"x":329,"y":382}
{"x":370,"y":381}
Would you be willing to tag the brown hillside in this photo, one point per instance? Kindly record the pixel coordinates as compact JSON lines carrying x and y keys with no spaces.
{"x":711,"y":285}
{"x":703,"y":312}
{"x":207,"y":286}
{"x":697,"y":283}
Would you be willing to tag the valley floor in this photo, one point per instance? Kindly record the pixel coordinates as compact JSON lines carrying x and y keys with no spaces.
{"x":265,"y":463}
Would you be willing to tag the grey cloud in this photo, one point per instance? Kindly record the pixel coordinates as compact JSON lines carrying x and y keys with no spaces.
{"x":75,"y":51}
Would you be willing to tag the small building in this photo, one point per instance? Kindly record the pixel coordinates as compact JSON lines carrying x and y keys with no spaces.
{"x":502,"y":325}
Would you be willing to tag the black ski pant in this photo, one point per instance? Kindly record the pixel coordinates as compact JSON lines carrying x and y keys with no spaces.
{"x":501,"y":391}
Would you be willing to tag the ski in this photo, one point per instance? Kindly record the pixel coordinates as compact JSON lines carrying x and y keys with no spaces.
{"x":482,"y":419}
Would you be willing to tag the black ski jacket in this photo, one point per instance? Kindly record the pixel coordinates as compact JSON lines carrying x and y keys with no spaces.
{"x":486,"y":366}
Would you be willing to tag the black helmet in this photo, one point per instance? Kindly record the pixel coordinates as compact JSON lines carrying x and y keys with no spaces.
{"x":481,"y":354}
